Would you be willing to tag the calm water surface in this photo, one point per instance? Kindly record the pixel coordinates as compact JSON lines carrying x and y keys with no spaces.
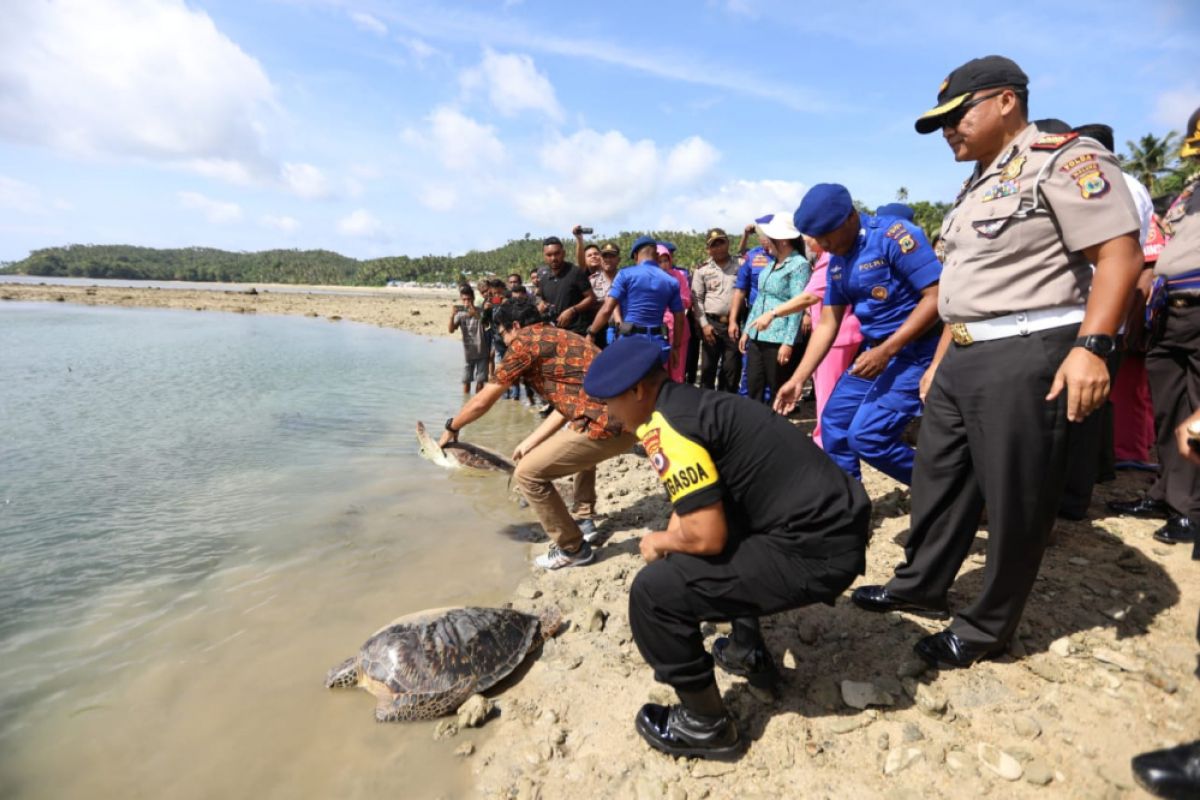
{"x":199,"y":515}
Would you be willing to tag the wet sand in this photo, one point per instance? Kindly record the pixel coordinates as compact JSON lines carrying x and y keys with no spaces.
{"x":415,"y":310}
{"x":1101,"y":670}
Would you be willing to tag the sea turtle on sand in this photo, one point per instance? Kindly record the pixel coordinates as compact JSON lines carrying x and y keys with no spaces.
{"x":461,"y":454}
{"x":426,"y":664}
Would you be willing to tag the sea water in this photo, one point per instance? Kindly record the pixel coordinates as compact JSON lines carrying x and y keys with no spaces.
{"x":200,"y":514}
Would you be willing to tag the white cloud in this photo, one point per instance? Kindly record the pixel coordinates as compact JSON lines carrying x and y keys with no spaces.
{"x":438,"y":197}
{"x":215,"y":211}
{"x":20,"y":197}
{"x":513,"y":84}
{"x":608,"y":177}
{"x":1173,"y":108}
{"x":368,"y":23}
{"x":419,"y":49}
{"x":143,"y":78}
{"x":690,"y":160}
{"x":280,"y":223}
{"x":361,"y":224}
{"x":732,"y":205}
{"x":460,"y":142}
{"x":305,"y":180}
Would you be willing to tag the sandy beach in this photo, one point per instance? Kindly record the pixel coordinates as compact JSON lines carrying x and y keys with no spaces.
{"x":1101,"y":669}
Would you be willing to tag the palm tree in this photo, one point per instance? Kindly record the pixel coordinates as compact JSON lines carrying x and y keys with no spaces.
{"x":1151,"y":157}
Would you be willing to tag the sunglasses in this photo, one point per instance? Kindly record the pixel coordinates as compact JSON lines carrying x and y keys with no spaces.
{"x":716,"y":242}
{"x":952,"y":119}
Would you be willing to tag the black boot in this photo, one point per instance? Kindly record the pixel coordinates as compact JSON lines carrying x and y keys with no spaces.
{"x":700,"y":727}
{"x":746,"y":655}
{"x":1173,"y":773}
{"x":1177,"y":530}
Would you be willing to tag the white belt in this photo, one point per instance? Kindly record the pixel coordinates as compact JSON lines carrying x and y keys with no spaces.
{"x":1021,"y":323}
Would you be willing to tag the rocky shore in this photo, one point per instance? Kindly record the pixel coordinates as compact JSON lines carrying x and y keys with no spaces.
{"x":1102,"y":668}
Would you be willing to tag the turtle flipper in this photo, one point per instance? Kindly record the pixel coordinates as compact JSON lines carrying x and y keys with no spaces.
{"x":344,"y":675}
{"x":425,"y":705}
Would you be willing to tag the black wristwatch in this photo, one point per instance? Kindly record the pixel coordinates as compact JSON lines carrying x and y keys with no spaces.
{"x":1097,"y":344}
{"x":450,"y":425}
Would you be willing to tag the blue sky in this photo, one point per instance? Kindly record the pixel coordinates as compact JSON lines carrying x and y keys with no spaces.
{"x":378,"y":128}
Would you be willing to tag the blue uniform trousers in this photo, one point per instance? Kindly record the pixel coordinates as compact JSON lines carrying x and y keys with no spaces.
{"x":865,"y":418}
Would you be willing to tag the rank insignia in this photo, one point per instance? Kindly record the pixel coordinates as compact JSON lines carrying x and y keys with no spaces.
{"x":1053,"y":141}
{"x":879,"y":292}
{"x":1092,"y":184}
{"x":1013,"y":168}
{"x":1005,"y":189}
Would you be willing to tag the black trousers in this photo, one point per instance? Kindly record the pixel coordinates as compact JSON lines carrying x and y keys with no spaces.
{"x":693,"y":350}
{"x":1089,"y":453}
{"x":763,"y":369}
{"x":1173,"y":367}
{"x":755,"y":576}
{"x":989,"y":435}
{"x":722,"y":354}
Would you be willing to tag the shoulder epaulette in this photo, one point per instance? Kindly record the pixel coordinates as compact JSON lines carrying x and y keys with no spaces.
{"x":1053,"y":141}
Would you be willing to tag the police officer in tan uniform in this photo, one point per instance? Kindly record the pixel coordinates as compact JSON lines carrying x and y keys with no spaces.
{"x":1023,"y":352}
{"x":712,"y":303}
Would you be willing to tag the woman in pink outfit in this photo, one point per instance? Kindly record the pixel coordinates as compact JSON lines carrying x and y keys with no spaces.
{"x":845,"y":346}
{"x":667,"y":262}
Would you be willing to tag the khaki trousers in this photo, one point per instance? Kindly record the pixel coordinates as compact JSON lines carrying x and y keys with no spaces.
{"x":566,"y":453}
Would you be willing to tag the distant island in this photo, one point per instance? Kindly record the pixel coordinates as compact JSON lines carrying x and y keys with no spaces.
{"x":325,"y":267}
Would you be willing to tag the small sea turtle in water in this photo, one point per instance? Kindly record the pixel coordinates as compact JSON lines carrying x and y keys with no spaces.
{"x":462,"y":454}
{"x":427,"y":664}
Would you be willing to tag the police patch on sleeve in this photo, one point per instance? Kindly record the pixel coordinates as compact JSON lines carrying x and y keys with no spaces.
{"x":683,"y":466}
{"x":900,"y":234}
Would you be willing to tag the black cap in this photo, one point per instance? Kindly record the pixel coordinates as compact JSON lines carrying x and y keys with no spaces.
{"x":988,"y":72}
{"x":1051,"y":125}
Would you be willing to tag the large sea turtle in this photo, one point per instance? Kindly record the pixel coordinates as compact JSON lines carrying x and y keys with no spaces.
{"x":426,"y":664}
{"x":461,"y":454}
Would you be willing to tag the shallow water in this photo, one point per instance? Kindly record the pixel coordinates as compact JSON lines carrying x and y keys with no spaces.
{"x":199,"y":516}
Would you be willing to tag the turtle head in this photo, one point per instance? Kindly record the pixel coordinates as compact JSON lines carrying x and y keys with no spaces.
{"x":551,"y":623}
{"x":344,"y":675}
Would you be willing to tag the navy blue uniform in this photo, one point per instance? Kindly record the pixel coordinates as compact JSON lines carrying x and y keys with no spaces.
{"x":881,"y":278}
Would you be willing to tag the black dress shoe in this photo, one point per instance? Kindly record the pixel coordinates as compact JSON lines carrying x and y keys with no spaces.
{"x":1173,"y":773}
{"x":1141,"y":507}
{"x":1178,"y":529}
{"x":878,"y":598}
{"x":945,"y":649}
{"x":755,"y":665}
{"x":678,"y":732}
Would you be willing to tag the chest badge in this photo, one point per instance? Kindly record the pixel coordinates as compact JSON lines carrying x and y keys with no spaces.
{"x":1006,"y":189}
{"x":879,"y":292}
{"x":1013,"y":168}
{"x":989,"y":228}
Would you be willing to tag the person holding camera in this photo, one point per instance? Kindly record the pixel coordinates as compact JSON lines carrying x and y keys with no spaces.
{"x":567,"y":298}
{"x":644,"y":294}
{"x":467,"y":318}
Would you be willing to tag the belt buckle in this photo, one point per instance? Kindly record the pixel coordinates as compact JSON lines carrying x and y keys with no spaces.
{"x":960,"y":334}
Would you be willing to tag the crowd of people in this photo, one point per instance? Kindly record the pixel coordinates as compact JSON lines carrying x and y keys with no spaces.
{"x":1042,"y":334}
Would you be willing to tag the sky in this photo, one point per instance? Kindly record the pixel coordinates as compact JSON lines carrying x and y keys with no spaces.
{"x":408,"y":127}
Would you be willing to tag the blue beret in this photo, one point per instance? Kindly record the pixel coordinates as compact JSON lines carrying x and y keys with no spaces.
{"x":901,"y":210}
{"x":641,"y":242}
{"x":669,"y":245}
{"x":622,"y":364}
{"x":823,"y":209}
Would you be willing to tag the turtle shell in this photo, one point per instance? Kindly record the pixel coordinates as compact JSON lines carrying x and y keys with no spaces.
{"x":437,"y":650}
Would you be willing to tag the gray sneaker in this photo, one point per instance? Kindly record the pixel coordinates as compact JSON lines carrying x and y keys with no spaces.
{"x":557,"y":558}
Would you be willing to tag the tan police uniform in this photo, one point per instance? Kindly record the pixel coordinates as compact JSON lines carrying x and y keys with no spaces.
{"x":1173,"y":361}
{"x":1013,"y":290}
{"x":712,"y":300}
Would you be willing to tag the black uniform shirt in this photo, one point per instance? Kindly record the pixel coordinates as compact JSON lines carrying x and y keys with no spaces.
{"x":708,"y":446}
{"x":565,"y":290}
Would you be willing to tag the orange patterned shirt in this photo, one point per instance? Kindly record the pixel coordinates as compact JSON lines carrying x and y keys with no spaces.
{"x":554,"y":361}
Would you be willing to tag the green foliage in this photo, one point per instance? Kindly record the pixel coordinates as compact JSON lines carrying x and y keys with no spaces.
{"x":1151,"y":157}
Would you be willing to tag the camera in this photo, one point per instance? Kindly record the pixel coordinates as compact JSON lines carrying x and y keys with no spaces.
{"x":581,"y":231}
